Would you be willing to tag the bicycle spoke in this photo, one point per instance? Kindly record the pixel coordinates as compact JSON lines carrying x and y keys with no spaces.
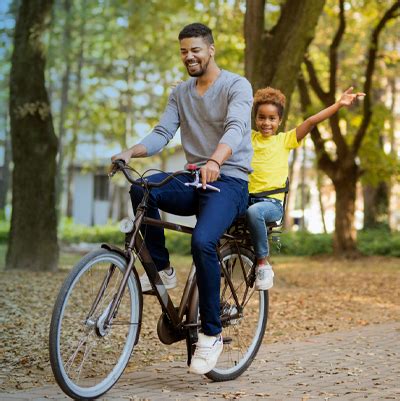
{"x":88,"y":357}
{"x":245,"y":333}
{"x":71,"y":360}
{"x":83,"y":360}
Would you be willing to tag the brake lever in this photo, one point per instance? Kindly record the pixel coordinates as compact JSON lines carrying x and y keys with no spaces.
{"x":112,"y":171}
{"x":197,"y":184}
{"x":114,"y":167}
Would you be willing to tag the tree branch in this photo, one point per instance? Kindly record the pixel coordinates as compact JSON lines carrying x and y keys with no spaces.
{"x":324,"y":160}
{"x":333,"y":52}
{"x":314,"y":82}
{"x":326,"y":99}
{"x":372,"y":54}
{"x":342,"y":147}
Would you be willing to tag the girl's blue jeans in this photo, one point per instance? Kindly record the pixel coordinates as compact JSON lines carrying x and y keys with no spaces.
{"x":260,"y":212}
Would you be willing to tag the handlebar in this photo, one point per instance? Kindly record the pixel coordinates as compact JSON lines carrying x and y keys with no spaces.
{"x":119,"y":165}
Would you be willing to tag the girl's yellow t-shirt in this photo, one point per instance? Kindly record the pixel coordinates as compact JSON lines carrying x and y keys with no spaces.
{"x":271,"y":161}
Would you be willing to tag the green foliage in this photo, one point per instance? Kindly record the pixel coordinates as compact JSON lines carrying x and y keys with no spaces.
{"x":4,"y":230}
{"x":378,"y":166}
{"x":71,"y":233}
{"x":369,"y":242}
{"x":127,"y":56}
{"x":304,"y":244}
{"x":76,"y":233}
{"x":361,"y":18}
{"x":379,"y":242}
{"x":178,"y":243}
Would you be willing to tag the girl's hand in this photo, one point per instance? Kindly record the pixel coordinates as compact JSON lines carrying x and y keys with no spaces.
{"x":348,"y":98}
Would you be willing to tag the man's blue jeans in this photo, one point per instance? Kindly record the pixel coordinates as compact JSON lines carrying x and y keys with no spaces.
{"x":215,"y":212}
{"x":260,"y":212}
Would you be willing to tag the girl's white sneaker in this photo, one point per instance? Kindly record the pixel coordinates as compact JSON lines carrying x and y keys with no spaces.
{"x":264,"y":277}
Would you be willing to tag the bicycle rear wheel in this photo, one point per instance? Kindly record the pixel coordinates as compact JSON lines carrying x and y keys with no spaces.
{"x":243,"y":334}
{"x":88,"y":358}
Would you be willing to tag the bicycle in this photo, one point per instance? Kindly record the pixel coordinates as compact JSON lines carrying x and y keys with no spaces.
{"x":97,"y":316}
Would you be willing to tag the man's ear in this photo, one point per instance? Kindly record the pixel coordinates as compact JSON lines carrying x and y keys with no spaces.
{"x":212,"y":50}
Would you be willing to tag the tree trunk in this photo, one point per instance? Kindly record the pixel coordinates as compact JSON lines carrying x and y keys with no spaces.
{"x":6,"y":174}
{"x":291,"y":194}
{"x":77,"y":119}
{"x":321,"y":203}
{"x":33,"y":235}
{"x":64,"y":103}
{"x":393,"y":152}
{"x":342,"y":169}
{"x":344,"y":239}
{"x":122,"y":202}
{"x":344,"y":175}
{"x":273,"y":57}
{"x":376,"y":203}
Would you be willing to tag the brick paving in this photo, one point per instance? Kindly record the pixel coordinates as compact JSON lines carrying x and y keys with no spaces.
{"x":350,"y":365}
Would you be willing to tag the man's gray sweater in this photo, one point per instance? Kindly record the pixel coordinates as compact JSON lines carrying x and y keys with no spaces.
{"x":221,"y":115}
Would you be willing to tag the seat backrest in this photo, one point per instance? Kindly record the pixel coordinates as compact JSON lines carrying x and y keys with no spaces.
{"x":240,"y":229}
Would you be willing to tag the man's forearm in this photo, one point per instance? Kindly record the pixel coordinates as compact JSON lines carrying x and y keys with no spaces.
{"x":222,"y":153}
{"x":138,"y":150}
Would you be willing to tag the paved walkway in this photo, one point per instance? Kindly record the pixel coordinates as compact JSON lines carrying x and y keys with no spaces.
{"x":353,"y":365}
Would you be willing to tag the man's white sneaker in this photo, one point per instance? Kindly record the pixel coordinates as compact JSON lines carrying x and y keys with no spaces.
{"x":264,"y":277}
{"x":208,"y":350}
{"x":169,"y":279}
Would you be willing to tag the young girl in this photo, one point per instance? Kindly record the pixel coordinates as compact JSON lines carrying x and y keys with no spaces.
{"x":270,"y":165}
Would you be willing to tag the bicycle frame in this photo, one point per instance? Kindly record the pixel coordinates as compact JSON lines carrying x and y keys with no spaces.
{"x":136,"y":246}
{"x":115,"y":298}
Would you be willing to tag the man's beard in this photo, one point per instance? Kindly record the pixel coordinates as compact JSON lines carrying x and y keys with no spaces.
{"x":201,"y":71}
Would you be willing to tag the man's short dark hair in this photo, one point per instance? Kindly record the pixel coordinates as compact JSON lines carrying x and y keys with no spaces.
{"x":197,"y":30}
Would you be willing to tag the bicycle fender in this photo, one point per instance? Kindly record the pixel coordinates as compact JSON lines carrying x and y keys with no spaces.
{"x":115,"y":249}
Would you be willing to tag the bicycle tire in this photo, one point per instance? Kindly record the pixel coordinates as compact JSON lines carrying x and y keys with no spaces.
{"x":255,"y":315}
{"x":69,"y":309}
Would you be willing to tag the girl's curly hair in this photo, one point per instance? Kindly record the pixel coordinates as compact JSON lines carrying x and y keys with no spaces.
{"x":270,"y":95}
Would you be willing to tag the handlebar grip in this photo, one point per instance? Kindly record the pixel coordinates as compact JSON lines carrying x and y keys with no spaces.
{"x":192,"y":167}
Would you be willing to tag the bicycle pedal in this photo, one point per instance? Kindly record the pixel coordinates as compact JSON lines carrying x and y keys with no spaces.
{"x":227,"y":340}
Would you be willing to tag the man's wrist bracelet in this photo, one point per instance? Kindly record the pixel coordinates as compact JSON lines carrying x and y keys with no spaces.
{"x":213,"y":160}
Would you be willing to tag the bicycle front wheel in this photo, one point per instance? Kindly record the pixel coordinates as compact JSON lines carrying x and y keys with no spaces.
{"x":242,"y":335}
{"x":86,"y":356}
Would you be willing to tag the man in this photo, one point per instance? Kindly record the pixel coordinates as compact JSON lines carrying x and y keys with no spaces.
{"x":213,"y":111}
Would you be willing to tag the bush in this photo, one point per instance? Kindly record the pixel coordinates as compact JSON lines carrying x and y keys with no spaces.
{"x":369,"y":242}
{"x":304,"y":244}
{"x":178,"y":243}
{"x":4,"y":230}
{"x":69,"y":232}
{"x":76,"y":233}
{"x":379,"y":242}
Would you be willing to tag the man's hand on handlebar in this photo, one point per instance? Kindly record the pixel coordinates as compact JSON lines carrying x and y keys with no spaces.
{"x":119,"y":164}
{"x":209,"y":173}
{"x":125,"y":156}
